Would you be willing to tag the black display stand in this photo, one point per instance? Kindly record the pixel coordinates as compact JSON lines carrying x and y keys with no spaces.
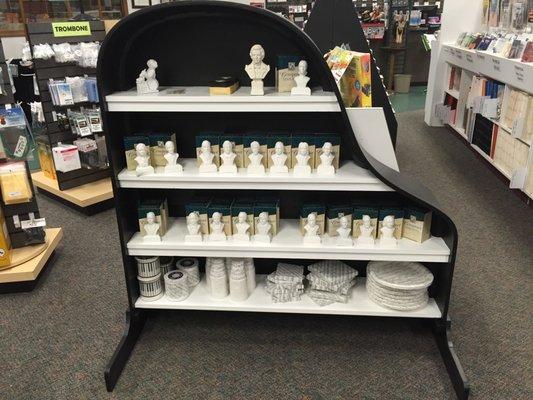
{"x":40,"y":33}
{"x":191,"y":27}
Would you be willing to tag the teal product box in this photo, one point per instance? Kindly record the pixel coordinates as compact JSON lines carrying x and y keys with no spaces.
{"x":213,"y":138}
{"x":335,"y":140}
{"x":398,"y":213}
{"x":271,"y":206}
{"x":334,"y":213}
{"x":313,"y":207}
{"x":416,"y":224}
{"x":360,"y":209}
{"x":238,"y":148}
{"x":129,"y":149}
{"x":286,"y":71}
{"x":272,"y":139}
{"x":222,"y":206}
{"x":200,"y":205}
{"x":243,"y":205}
{"x":157,"y":147}
{"x":308,"y":138}
{"x":160,"y":208}
{"x":247,"y":140}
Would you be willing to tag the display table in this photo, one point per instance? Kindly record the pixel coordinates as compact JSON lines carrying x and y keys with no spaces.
{"x":89,"y":199}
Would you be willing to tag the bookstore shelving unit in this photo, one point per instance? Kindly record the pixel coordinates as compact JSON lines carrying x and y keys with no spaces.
{"x":219,"y":27}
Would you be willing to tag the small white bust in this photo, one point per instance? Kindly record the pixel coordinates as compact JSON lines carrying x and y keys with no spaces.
{"x":344,"y":232}
{"x":302,"y":167}
{"x":143,"y":160}
{"x":242,"y":225}
{"x":262,"y":228}
{"x":387,"y":232}
{"x":257,"y":69}
{"x":256,"y":166}
{"x":151,"y":227}
{"x":279,"y":158}
{"x":326,"y":160}
{"x":301,"y":81}
{"x":147,"y":82}
{"x":311,"y":235}
{"x":172,"y":159}
{"x":206,"y":157}
{"x":193,"y":227}
{"x":228,"y":158}
{"x":216,"y":227}
{"x":366,"y":235}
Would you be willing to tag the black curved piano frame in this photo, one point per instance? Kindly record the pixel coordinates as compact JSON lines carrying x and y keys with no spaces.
{"x":159,"y":32}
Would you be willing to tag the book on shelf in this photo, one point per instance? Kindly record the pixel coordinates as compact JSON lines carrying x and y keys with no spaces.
{"x":527,"y":56}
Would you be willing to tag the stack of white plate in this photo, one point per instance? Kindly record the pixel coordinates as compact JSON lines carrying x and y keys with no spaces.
{"x":398,"y":285}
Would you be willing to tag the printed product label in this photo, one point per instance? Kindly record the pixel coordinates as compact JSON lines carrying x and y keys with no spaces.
{"x":66,"y":29}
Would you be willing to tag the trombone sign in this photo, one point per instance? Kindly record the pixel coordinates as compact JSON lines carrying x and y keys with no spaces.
{"x":64,"y":29}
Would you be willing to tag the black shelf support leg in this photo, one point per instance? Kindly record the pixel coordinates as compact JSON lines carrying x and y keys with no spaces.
{"x":441,"y":330}
{"x":134,"y":325}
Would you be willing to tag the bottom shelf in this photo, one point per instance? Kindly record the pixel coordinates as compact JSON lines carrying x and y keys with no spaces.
{"x":260,"y":301}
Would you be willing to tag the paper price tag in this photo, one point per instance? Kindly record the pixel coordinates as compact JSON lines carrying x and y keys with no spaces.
{"x":480,"y":56}
{"x":518,"y":128}
{"x":33,"y":223}
{"x":469,"y":58}
{"x":496,"y":65}
{"x":21,"y":146}
{"x":518,"y":178}
{"x":519,"y":72}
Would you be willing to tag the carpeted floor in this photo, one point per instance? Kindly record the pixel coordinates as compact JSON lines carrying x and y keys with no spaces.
{"x":56,"y":340}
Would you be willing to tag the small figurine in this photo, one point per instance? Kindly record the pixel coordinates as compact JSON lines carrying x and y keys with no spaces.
{"x":147,"y":82}
{"x":206,"y":156}
{"x":400,"y":19}
{"x":262,"y":229}
{"x":301,"y":81}
{"x":387,"y":232}
{"x":326,"y":159}
{"x":143,"y":160}
{"x":279,"y":158}
{"x":302,"y":167}
{"x":172,"y":159}
{"x":366,"y":235}
{"x":193,"y":227}
{"x":242,"y":226}
{"x":228,"y":158}
{"x":216,"y":227}
{"x":257,"y":69}
{"x":151,"y":228}
{"x":311,"y":235}
{"x":256,"y":166}
{"x":344,"y":233}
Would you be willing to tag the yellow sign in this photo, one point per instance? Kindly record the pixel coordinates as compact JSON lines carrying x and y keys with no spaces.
{"x":65,"y":29}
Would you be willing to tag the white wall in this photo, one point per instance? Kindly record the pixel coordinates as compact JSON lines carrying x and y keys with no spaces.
{"x":13,"y":46}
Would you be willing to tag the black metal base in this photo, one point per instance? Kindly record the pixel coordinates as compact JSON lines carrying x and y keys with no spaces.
{"x":25,"y":286}
{"x":441,"y":331}
{"x":89,"y":210}
{"x":134,"y":325}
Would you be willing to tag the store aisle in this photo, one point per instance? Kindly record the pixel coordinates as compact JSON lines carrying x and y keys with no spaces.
{"x":55,"y":341}
{"x":412,"y":101}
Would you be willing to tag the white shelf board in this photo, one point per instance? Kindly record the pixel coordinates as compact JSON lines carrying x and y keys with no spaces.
{"x":286,"y":244}
{"x":508,"y":130}
{"x":197,"y":99}
{"x":491,"y":161}
{"x":260,"y":301}
{"x":459,"y":130}
{"x":349,"y":177}
{"x":453,"y":93}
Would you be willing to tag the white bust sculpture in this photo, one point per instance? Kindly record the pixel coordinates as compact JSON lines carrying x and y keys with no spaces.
{"x":311,"y":235}
{"x":326,"y":160}
{"x":302,"y":167}
{"x":387,"y":232}
{"x":228,"y":158}
{"x":151,"y":227}
{"x":193,"y":228}
{"x":256,"y":166}
{"x":216,"y":227}
{"x":366,"y":236}
{"x":301,"y":81}
{"x":257,"y":69}
{"x":206,"y":157}
{"x":344,"y":233}
{"x":172,"y":159}
{"x":262,"y":228}
{"x":147,"y":82}
{"x":278,"y":159}
{"x":242,"y":225}
{"x":143,"y":160}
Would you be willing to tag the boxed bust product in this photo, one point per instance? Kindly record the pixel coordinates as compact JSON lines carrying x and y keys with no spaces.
{"x":308,"y":138}
{"x":334,"y":213}
{"x":335,"y":141}
{"x":359,"y":209}
{"x":157,"y":148}
{"x":238,"y":148}
{"x":416,"y":224}
{"x":129,"y":149}
{"x":243,"y":205}
{"x":200,"y":205}
{"x":160,"y":208}
{"x":396,"y":210}
{"x":223,"y":206}
{"x":313,"y":207}
{"x":271,"y":206}
{"x":255,"y":137}
{"x":66,"y":157}
{"x":284,"y":138}
{"x":286,"y":71}
{"x":212,"y":138}
{"x":14,"y":183}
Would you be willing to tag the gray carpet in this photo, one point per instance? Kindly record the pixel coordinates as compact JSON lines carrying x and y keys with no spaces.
{"x":56,"y":341}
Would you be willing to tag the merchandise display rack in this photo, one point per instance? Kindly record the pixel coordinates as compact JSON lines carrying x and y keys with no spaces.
{"x":123,"y":54}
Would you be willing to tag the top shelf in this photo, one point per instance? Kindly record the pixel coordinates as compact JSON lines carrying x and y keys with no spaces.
{"x":197,"y":99}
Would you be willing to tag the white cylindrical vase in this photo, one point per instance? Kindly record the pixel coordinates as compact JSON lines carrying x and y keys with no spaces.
{"x":148,"y":267}
{"x":151,"y":289}
{"x":190,"y":267}
{"x":176,"y":285}
{"x":238,"y":288}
